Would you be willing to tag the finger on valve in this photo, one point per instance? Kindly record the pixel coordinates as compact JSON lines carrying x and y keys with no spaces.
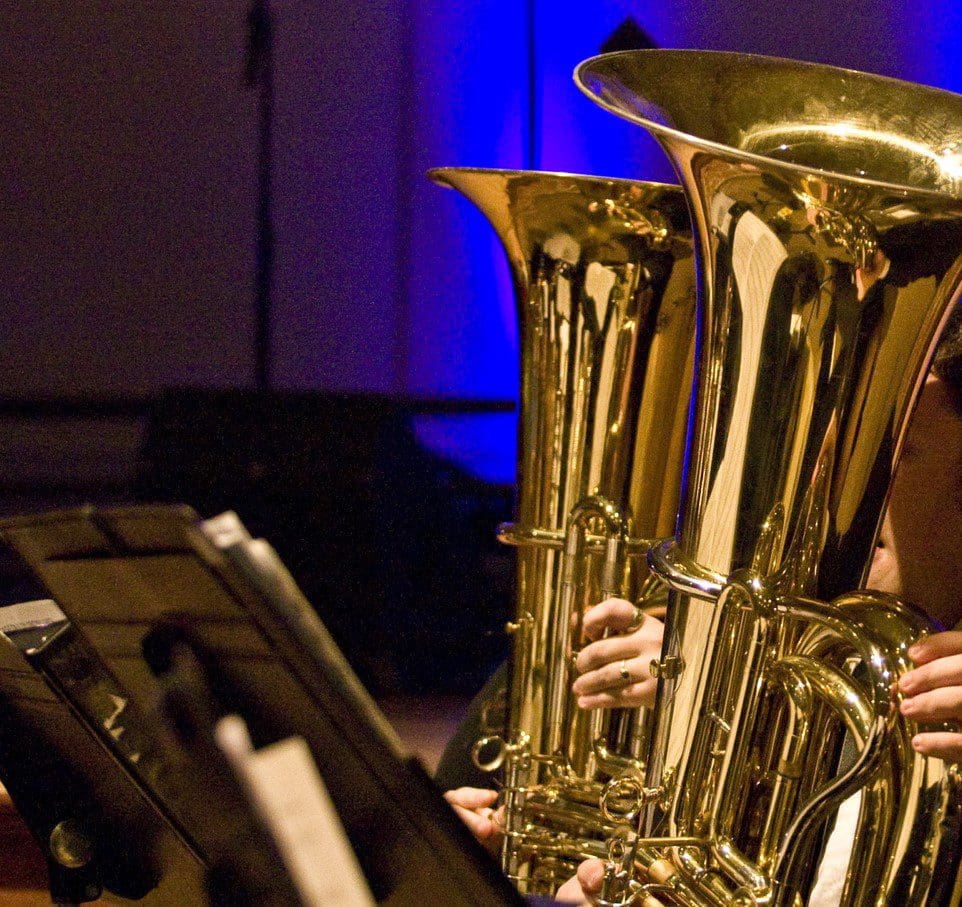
{"x":584,"y":887}
{"x":932,"y":692}
{"x":616,"y":615}
{"x":645,"y":641}
{"x":636,"y":695}
{"x":616,"y":672}
{"x":626,"y":682}
{"x":945,"y":745}
{"x":938,"y":645}
{"x":938,"y":704}
{"x":938,"y":662}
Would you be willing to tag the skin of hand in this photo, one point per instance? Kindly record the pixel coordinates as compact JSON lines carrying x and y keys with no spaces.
{"x":475,"y":807}
{"x":583,"y":888}
{"x":917,"y":560}
{"x":932,"y":692}
{"x":600,"y":684}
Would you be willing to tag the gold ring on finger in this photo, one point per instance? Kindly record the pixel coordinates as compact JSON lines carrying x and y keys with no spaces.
{"x":637,"y":619}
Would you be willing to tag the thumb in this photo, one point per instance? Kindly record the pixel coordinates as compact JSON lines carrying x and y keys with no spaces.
{"x":591,"y":874}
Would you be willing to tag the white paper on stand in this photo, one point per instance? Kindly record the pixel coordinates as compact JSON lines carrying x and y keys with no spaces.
{"x":288,"y":792}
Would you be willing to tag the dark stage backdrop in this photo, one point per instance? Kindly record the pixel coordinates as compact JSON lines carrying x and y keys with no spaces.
{"x":128,"y":186}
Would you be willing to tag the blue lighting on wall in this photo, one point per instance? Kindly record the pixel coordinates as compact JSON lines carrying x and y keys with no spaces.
{"x":469,"y":108}
{"x":489,"y":74}
{"x":481,"y":444}
{"x":493,"y":83}
{"x":932,"y":31}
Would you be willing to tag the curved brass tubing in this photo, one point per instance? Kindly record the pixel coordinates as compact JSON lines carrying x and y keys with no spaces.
{"x":827,"y":214}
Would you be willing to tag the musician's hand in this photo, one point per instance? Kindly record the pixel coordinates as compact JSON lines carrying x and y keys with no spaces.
{"x":603,"y":662}
{"x":475,"y":807}
{"x":583,"y":888}
{"x":932,"y":692}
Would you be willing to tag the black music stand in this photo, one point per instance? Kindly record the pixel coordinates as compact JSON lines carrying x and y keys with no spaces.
{"x":206,"y":620}
{"x":97,"y":830}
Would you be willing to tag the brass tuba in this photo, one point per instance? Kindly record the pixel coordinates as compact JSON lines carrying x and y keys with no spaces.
{"x":827,"y":208}
{"x":604,"y":282}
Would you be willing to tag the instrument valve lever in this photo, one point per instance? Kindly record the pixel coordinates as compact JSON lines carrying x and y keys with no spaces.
{"x":669,"y":668}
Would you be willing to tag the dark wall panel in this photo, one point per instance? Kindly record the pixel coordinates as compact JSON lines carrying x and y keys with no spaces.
{"x":127,"y":193}
{"x":338,"y":304}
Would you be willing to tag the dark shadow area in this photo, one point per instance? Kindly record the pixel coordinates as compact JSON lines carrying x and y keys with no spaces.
{"x":394,"y":547}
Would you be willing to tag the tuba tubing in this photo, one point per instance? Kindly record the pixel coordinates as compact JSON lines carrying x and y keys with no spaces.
{"x":827,"y":213}
{"x":604,"y":287}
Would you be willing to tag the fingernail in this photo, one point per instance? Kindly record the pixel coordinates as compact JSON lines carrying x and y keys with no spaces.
{"x":907,"y":706}
{"x":916,"y":743}
{"x":915,"y":650}
{"x":906,"y":682}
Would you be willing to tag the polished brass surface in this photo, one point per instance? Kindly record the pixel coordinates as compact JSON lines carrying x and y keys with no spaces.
{"x":604,"y":283}
{"x":827,"y":212}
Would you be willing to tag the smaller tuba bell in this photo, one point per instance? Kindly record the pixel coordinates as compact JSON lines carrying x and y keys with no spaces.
{"x":604,"y":281}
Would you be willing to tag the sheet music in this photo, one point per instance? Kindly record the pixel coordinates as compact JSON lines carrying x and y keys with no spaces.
{"x":29,"y":615}
{"x":286,"y":789}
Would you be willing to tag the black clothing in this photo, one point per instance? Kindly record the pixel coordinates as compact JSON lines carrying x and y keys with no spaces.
{"x":486,"y":717}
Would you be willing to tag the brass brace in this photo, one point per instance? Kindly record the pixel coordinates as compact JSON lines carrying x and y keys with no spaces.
{"x":669,"y":668}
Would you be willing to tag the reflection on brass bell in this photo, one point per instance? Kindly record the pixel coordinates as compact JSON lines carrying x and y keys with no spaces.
{"x":69,"y":846}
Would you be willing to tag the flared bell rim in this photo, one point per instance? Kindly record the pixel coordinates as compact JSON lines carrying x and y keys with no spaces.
{"x":437,"y":175}
{"x":589,"y":74}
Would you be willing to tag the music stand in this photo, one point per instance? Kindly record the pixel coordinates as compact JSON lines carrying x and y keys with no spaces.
{"x":129,"y":574}
{"x":97,"y":830}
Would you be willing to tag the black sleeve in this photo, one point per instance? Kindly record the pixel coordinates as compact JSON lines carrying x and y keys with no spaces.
{"x":485,"y":717}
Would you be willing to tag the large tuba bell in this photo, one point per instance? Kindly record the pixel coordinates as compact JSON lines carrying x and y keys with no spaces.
{"x":604,"y":283}
{"x":827,"y":208}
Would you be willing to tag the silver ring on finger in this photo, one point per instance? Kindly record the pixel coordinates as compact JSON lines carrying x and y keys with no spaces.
{"x":623,"y":671}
